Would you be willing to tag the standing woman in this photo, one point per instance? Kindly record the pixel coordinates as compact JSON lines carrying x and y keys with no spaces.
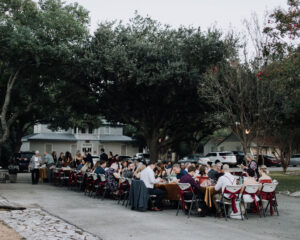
{"x":251,"y":164}
{"x":34,"y":166}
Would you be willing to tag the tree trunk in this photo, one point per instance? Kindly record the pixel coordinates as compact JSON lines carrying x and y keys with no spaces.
{"x":153,"y":146}
{"x":5,"y":125}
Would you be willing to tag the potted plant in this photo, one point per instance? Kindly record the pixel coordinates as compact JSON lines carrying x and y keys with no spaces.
{"x":13,"y":170}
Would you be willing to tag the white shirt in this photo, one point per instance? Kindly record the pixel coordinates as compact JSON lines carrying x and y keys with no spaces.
{"x":225,"y":180}
{"x":147,"y":176}
{"x":36,"y":162}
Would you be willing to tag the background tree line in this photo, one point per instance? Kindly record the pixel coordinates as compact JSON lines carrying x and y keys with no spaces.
{"x":172,"y":87}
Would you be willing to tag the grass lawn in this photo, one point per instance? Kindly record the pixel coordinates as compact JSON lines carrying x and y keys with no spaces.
{"x":287,"y":182}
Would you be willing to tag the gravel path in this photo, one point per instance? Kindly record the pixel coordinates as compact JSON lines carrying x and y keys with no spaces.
{"x":36,"y":224}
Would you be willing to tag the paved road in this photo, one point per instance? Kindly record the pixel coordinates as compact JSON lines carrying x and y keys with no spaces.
{"x":108,"y":220}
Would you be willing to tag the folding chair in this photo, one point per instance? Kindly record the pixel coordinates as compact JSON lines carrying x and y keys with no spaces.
{"x":251,"y":190}
{"x":123,"y":189}
{"x":268,"y":195}
{"x":234,"y":194}
{"x":126,"y":197}
{"x":79,"y":180}
{"x":186,"y":188}
{"x":90,"y":188}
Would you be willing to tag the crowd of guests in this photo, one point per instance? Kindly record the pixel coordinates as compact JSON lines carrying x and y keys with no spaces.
{"x":212,"y":174}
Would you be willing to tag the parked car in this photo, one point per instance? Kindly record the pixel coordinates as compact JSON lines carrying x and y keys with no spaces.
{"x":195,"y":158}
{"x":142,"y":157}
{"x":223,"y":157}
{"x":269,"y":161}
{"x":23,"y":159}
{"x":295,"y":160}
{"x":240,"y":157}
{"x":124,"y":158}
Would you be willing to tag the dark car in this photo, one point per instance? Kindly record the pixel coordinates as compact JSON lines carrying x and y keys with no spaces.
{"x":23,"y":159}
{"x":142,"y":157}
{"x":194,"y":158}
{"x":124,"y":158}
{"x":240,"y":157}
{"x":269,"y":161}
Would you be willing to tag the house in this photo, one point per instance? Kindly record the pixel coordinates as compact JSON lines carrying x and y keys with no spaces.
{"x":110,"y":137}
{"x":232,"y":143}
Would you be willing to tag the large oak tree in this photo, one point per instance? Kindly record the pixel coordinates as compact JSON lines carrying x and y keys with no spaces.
{"x":147,"y":75}
{"x":39,"y":48}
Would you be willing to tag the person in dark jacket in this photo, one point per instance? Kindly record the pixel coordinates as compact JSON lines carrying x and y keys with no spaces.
{"x":189,"y":178}
{"x":100,"y":169}
{"x":103,"y":155}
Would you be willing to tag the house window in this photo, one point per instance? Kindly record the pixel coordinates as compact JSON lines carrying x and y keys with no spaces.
{"x":90,"y":130}
{"x":48,"y":148}
{"x":87,"y":147}
{"x":82,"y":130}
{"x":75,"y":130}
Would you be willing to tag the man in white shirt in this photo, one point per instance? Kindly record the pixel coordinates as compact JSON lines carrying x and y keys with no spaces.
{"x":147,"y":176}
{"x":225,"y":180}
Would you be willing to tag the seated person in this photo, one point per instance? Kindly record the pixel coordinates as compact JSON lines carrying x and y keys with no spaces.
{"x":189,"y":178}
{"x":264,"y":177}
{"x":223,"y":181}
{"x":186,"y":166}
{"x":147,"y":176}
{"x":100,"y":166}
{"x":139,"y":169}
{"x":128,"y":173}
{"x":160,"y":171}
{"x":179,"y":171}
{"x":86,"y":168}
{"x":213,"y":173}
{"x":80,"y":165}
{"x":203,"y":179}
{"x":250,"y":180}
{"x":112,"y":176}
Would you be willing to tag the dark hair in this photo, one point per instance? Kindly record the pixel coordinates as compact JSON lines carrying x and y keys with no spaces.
{"x":217,"y":161}
{"x":151,"y":163}
{"x":102,"y":161}
{"x":102,"y":149}
{"x":191,"y":169}
{"x":251,"y":172}
{"x":202,"y":170}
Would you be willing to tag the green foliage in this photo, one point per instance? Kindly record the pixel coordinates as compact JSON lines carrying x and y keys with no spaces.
{"x":43,"y":42}
{"x":284,"y":31}
{"x":146,"y":75}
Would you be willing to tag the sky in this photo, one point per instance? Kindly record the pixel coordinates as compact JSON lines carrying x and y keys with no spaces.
{"x":225,"y":14}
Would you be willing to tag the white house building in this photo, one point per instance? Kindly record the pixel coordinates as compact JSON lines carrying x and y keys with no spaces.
{"x":110,"y":137}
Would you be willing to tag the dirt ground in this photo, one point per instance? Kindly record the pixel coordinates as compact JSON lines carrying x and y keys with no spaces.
{"x":6,"y":233}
